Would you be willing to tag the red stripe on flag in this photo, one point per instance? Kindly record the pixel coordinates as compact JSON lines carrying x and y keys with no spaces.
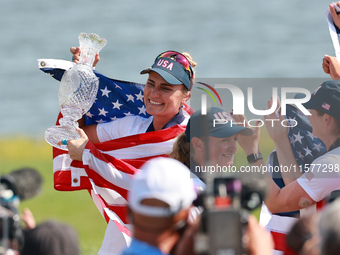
{"x":118,"y":163}
{"x":101,"y":182}
{"x":140,"y":139}
{"x":63,"y":179}
{"x":321,"y":204}
{"x":122,"y":228}
{"x":279,"y":241}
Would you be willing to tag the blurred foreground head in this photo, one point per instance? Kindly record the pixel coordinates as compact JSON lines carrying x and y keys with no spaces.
{"x":303,"y":238}
{"x":329,"y":227}
{"x":160,"y":199}
{"x":162,"y":188}
{"x":51,"y":238}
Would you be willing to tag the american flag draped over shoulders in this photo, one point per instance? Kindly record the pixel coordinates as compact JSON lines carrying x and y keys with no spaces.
{"x":306,"y":148}
{"x":107,"y":168}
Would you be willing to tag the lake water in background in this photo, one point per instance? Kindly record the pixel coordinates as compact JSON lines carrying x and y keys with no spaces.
{"x":234,"y":39}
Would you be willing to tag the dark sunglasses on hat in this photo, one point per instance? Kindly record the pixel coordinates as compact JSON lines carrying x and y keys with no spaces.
{"x":174,"y":68}
{"x":179,"y":58}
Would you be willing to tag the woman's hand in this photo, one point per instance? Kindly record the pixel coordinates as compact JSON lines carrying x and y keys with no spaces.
{"x":250,"y":144}
{"x":331,"y":66}
{"x":273,"y":124}
{"x":28,"y":218}
{"x":76,"y":56}
{"x":76,"y":147}
{"x":260,"y":242}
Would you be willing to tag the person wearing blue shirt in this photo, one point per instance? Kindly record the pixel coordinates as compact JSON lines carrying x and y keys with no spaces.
{"x":160,"y":200}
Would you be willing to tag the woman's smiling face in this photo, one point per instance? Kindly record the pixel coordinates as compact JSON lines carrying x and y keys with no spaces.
{"x":162,"y":99}
{"x":221,"y":150}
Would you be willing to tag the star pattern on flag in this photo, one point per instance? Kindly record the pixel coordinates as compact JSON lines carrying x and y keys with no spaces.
{"x":305,"y":146}
{"x":310,"y":134}
{"x":102,"y":111}
{"x":88,"y":114}
{"x":298,"y":137}
{"x":308,"y":151}
{"x":116,"y":99}
{"x":100,"y":121}
{"x":318,"y":147}
{"x":300,"y":154}
{"x":292,"y":140}
{"x":130,"y":98}
{"x":117,"y":87}
{"x":117,"y":105}
{"x":105,"y":92}
{"x":140,"y":96}
{"x":128,"y":114}
{"x":142,"y":110}
{"x":292,"y":121}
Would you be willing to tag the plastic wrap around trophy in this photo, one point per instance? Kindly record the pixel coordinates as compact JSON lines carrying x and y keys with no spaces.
{"x":77,"y":91}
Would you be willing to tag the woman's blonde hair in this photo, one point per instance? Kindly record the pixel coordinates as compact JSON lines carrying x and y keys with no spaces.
{"x":193,"y":65}
{"x":192,"y":62}
{"x":181,"y":150}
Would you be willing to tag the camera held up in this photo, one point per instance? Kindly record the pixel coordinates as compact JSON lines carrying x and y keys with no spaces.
{"x":18,"y":185}
{"x":227,"y":203}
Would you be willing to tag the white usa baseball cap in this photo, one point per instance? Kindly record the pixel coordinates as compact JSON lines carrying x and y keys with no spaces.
{"x":165,"y":179}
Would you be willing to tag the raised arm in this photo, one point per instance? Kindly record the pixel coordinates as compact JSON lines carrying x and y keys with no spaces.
{"x":290,"y":198}
{"x":278,"y":134}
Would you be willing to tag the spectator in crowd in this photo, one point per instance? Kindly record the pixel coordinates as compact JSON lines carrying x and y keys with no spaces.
{"x":329,"y":229}
{"x":160,"y":200}
{"x":303,"y":238}
{"x":208,"y":140}
{"x":48,"y":238}
{"x":51,"y":238}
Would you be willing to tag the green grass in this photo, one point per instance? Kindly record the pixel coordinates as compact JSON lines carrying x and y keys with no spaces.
{"x":75,"y":208}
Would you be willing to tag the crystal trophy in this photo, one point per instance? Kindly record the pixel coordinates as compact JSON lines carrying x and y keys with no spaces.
{"x":77,"y":91}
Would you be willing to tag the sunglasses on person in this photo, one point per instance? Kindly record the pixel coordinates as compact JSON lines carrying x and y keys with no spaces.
{"x":179,"y":58}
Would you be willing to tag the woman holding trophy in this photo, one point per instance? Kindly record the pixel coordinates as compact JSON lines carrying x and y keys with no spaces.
{"x":166,"y":91}
{"x":131,"y":141}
